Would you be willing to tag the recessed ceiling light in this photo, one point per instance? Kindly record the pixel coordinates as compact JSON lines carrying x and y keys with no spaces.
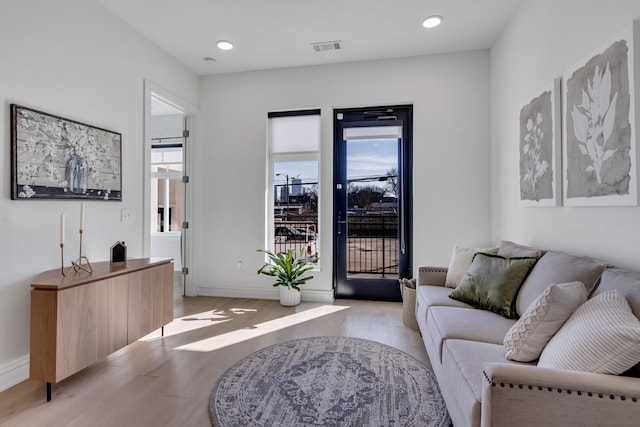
{"x":209,"y":59}
{"x":432,"y":21}
{"x":224,"y":44}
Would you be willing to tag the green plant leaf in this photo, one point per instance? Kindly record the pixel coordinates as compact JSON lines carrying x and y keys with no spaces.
{"x":287,"y":269}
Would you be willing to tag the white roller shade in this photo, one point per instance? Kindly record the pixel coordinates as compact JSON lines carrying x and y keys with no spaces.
{"x":295,"y":134}
{"x":372,"y":132}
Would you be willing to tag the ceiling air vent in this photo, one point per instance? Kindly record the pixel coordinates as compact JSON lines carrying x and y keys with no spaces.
{"x":324,"y":46}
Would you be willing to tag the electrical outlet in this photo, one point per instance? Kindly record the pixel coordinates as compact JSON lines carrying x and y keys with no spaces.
{"x":126,"y":216}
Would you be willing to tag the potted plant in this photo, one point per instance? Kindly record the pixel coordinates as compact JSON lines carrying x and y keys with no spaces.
{"x":289,"y":273}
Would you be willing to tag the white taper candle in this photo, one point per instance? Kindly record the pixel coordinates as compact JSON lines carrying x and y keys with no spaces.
{"x":82,"y":216}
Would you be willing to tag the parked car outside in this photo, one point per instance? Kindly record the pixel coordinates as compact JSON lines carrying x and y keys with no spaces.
{"x":298,"y":238}
{"x":286,"y":233}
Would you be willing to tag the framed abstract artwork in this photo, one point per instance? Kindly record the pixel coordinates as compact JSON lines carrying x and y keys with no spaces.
{"x":57,"y":158}
{"x":599,"y":149}
{"x":540,"y":148}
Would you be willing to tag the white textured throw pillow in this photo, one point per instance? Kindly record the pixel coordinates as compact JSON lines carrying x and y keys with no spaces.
{"x":460,"y":262}
{"x":526,"y":339}
{"x":602,"y":336}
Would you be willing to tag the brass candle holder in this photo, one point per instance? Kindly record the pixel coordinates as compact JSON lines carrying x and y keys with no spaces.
{"x":77,"y":264}
{"x":62,"y":260}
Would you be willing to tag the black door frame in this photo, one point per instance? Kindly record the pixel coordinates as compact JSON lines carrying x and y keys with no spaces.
{"x":374,"y":289}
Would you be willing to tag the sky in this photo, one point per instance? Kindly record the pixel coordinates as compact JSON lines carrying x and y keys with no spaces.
{"x":365,"y":158}
{"x":371,"y":158}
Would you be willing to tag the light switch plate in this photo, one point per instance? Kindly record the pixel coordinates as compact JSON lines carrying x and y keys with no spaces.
{"x":126,"y":216}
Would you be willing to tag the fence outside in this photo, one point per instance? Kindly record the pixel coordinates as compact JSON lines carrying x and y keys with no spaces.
{"x":372,"y":242}
{"x":296,"y":236}
{"x":372,"y":245}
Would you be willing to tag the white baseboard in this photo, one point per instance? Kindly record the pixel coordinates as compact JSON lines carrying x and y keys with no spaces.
{"x":318,"y":296}
{"x":14,"y":372}
{"x":261,"y":293}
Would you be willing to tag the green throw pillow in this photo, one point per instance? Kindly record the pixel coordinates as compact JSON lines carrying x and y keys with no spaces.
{"x":492,"y":283}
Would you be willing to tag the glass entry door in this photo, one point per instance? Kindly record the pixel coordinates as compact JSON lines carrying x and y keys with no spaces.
{"x":371,"y":197}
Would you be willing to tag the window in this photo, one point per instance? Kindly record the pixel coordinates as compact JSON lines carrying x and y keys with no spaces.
{"x":166,"y":189}
{"x":294,"y":158}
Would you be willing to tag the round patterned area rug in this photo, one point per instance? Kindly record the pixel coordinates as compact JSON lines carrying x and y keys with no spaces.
{"x":328,"y":381}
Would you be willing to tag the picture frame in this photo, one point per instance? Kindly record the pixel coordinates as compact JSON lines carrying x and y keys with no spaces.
{"x":57,"y":158}
{"x":599,"y":115}
{"x":540,"y":152}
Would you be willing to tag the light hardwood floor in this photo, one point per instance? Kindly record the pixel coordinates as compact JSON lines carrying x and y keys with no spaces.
{"x":167,"y":381}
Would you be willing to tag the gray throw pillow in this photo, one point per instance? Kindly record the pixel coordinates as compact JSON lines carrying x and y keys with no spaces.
{"x":625,"y":282}
{"x":513,"y":250}
{"x":492,"y":283}
{"x":558,"y":267}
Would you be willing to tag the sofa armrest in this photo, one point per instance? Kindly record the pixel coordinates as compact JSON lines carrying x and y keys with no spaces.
{"x":434,"y":276}
{"x":526,"y":395}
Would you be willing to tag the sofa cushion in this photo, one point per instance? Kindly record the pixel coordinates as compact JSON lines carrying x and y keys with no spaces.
{"x":509,"y":249}
{"x":463,"y":363}
{"x":626,"y":282}
{"x":558,"y":267}
{"x":470,"y":324}
{"x":446,"y":323}
{"x":492,"y":283}
{"x":460,"y":262}
{"x":438,"y":296}
{"x":602,"y":336}
{"x":468,"y":358}
{"x":527,"y":337}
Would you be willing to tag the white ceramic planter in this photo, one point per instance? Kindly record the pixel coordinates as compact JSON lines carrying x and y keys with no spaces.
{"x":289,"y":296}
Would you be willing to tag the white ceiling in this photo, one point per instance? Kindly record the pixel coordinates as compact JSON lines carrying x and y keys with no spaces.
{"x":278,"y":33}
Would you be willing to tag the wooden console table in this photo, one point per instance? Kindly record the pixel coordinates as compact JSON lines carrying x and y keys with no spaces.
{"x":80,"y":319}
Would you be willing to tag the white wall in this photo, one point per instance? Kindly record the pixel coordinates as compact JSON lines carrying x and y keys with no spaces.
{"x":542,"y":41}
{"x":450,"y":95}
{"x":74,"y":59}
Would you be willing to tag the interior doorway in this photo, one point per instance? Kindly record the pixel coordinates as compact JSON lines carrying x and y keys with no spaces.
{"x":167,"y":169}
{"x":372,"y":201}
{"x":168,"y":135}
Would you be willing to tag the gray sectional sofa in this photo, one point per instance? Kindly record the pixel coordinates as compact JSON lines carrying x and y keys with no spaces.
{"x":482,"y":387}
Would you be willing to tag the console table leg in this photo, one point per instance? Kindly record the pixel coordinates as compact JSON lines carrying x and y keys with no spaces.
{"x":162,"y":331}
{"x":48,"y":392}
